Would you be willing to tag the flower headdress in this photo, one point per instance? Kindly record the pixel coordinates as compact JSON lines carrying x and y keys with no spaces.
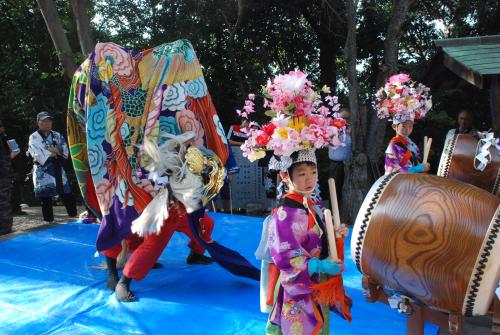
{"x":300,"y":119}
{"x":402,"y":99}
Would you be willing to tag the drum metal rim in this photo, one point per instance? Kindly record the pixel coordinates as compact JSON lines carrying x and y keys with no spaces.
{"x":486,"y":274}
{"x":364,"y":217}
{"x":445,"y":162}
{"x":496,"y":186}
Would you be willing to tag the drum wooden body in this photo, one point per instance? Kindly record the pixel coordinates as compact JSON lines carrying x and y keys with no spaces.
{"x":457,"y":162}
{"x":434,"y":239}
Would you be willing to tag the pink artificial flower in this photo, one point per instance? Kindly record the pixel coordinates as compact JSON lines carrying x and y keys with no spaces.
{"x":251,"y":96}
{"x":399,"y":78}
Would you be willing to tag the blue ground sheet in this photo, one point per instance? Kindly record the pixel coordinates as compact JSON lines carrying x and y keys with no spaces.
{"x":49,"y":284}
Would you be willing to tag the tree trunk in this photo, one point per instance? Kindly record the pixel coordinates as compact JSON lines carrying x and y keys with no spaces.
{"x":82,"y":20}
{"x":367,"y":147}
{"x":56,"y":31}
{"x":357,"y":180}
{"x":328,"y":48}
{"x":328,"y":67}
{"x":389,"y":66}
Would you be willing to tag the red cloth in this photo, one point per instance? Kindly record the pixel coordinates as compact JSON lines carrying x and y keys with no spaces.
{"x":145,"y":254}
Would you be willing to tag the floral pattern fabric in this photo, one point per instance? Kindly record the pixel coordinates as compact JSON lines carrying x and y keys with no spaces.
{"x":292,"y":242}
{"x":400,"y":155}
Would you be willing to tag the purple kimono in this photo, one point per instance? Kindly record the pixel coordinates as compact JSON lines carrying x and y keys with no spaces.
{"x":401,"y":154}
{"x":294,"y":238}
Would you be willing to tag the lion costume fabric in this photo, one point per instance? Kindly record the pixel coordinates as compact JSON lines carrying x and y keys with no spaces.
{"x":120,"y":97}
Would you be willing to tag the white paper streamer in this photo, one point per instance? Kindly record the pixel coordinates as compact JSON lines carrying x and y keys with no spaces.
{"x":483,"y":155}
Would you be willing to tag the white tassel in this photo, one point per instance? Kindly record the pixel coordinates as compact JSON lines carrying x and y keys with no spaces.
{"x":188,"y":191}
{"x":170,"y":157}
{"x":153,"y":216}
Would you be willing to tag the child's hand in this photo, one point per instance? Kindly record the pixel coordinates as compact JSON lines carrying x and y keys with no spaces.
{"x":427,"y":167}
{"x":342,"y":230}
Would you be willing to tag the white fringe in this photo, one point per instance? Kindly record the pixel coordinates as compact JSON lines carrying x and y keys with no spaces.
{"x":151,"y":219}
{"x":170,"y":157}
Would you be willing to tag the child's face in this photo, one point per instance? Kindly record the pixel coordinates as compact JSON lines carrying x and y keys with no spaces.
{"x":304,"y":178}
{"x":403,"y":129}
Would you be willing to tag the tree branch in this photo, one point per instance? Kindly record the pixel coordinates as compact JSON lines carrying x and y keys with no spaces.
{"x":83,"y":26}
{"x":58,"y":36}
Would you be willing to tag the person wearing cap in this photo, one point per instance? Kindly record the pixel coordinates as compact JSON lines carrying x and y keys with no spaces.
{"x":48,"y":149}
{"x":5,"y":183}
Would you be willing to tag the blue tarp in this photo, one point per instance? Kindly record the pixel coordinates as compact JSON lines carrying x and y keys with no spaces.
{"x":49,"y":284}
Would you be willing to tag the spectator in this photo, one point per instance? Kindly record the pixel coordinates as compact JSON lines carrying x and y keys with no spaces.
{"x":339,"y":156}
{"x":6,"y":154}
{"x":19,"y":165}
{"x":49,"y":150}
{"x":236,"y":138}
{"x":465,"y":124}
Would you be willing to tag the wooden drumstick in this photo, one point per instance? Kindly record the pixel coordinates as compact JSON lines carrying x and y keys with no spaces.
{"x":330,"y":235}
{"x":425,"y":145}
{"x":427,"y":150}
{"x":334,"y":202}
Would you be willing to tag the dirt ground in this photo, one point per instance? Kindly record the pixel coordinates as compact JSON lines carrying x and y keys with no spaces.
{"x":33,"y":221}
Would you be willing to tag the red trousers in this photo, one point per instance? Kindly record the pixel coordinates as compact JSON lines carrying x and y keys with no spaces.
{"x":145,"y":252}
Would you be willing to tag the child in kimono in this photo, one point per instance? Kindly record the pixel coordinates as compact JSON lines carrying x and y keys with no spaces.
{"x":298,"y":248}
{"x":402,"y":154}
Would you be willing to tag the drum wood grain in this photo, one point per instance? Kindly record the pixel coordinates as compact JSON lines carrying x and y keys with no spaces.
{"x":424,"y":238}
{"x":460,"y":154}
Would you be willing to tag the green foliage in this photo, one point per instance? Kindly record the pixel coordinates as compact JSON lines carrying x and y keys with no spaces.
{"x":234,"y":65}
{"x":30,"y":73}
{"x":276,"y":36}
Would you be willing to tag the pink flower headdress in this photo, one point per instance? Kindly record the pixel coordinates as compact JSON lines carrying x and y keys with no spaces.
{"x":402,"y":99}
{"x":300,"y":118}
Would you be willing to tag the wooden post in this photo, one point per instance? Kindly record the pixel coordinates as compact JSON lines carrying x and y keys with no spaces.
{"x":455,"y":323}
{"x":415,"y":321}
{"x":452,"y":322}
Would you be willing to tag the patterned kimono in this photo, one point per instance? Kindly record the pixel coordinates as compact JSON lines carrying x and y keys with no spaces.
{"x":49,"y":177}
{"x":294,"y":238}
{"x":401,"y":154}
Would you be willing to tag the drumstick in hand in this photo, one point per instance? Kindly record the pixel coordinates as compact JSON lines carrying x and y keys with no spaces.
{"x":330,"y":235}
{"x":427,"y":149}
{"x":425,"y":145}
{"x":334,"y":202}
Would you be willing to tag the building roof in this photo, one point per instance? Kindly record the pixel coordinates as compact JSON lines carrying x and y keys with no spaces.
{"x":472,"y":58}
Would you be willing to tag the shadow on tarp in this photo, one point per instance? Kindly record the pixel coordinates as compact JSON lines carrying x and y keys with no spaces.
{"x":49,"y":285}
